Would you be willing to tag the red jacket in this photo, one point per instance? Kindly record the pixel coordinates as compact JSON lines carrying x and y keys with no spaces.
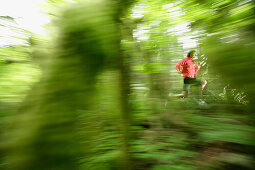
{"x":189,"y":69}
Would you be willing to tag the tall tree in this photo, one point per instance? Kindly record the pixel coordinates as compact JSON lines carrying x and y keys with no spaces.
{"x":46,"y":135}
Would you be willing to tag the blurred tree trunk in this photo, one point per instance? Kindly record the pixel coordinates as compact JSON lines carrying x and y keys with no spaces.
{"x":45,"y":135}
{"x":125,"y":112}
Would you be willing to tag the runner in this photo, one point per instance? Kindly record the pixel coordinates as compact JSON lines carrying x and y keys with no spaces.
{"x":189,"y":69}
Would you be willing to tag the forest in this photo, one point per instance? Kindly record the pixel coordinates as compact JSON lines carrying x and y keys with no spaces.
{"x":99,"y":89}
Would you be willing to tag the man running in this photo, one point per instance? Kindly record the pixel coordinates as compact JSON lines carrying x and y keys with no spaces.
{"x":189,"y":69}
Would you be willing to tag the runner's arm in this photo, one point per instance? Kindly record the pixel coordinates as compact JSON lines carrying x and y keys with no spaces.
{"x":197,"y":68}
{"x":178,"y":65}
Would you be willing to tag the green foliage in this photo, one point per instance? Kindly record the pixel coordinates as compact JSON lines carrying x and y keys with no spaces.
{"x":95,"y":94}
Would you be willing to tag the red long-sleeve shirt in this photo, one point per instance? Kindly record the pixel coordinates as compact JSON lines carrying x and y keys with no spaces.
{"x":189,"y":69}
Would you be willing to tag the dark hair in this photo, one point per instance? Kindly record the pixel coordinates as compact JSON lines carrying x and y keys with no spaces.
{"x":191,"y":53}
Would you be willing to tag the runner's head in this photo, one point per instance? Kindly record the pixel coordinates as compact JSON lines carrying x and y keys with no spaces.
{"x":191,"y":53}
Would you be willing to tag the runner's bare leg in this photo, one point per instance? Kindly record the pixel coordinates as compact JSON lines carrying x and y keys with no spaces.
{"x":202,"y":88}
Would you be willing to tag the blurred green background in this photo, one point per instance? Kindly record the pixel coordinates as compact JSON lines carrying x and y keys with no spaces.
{"x":92,"y":91}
